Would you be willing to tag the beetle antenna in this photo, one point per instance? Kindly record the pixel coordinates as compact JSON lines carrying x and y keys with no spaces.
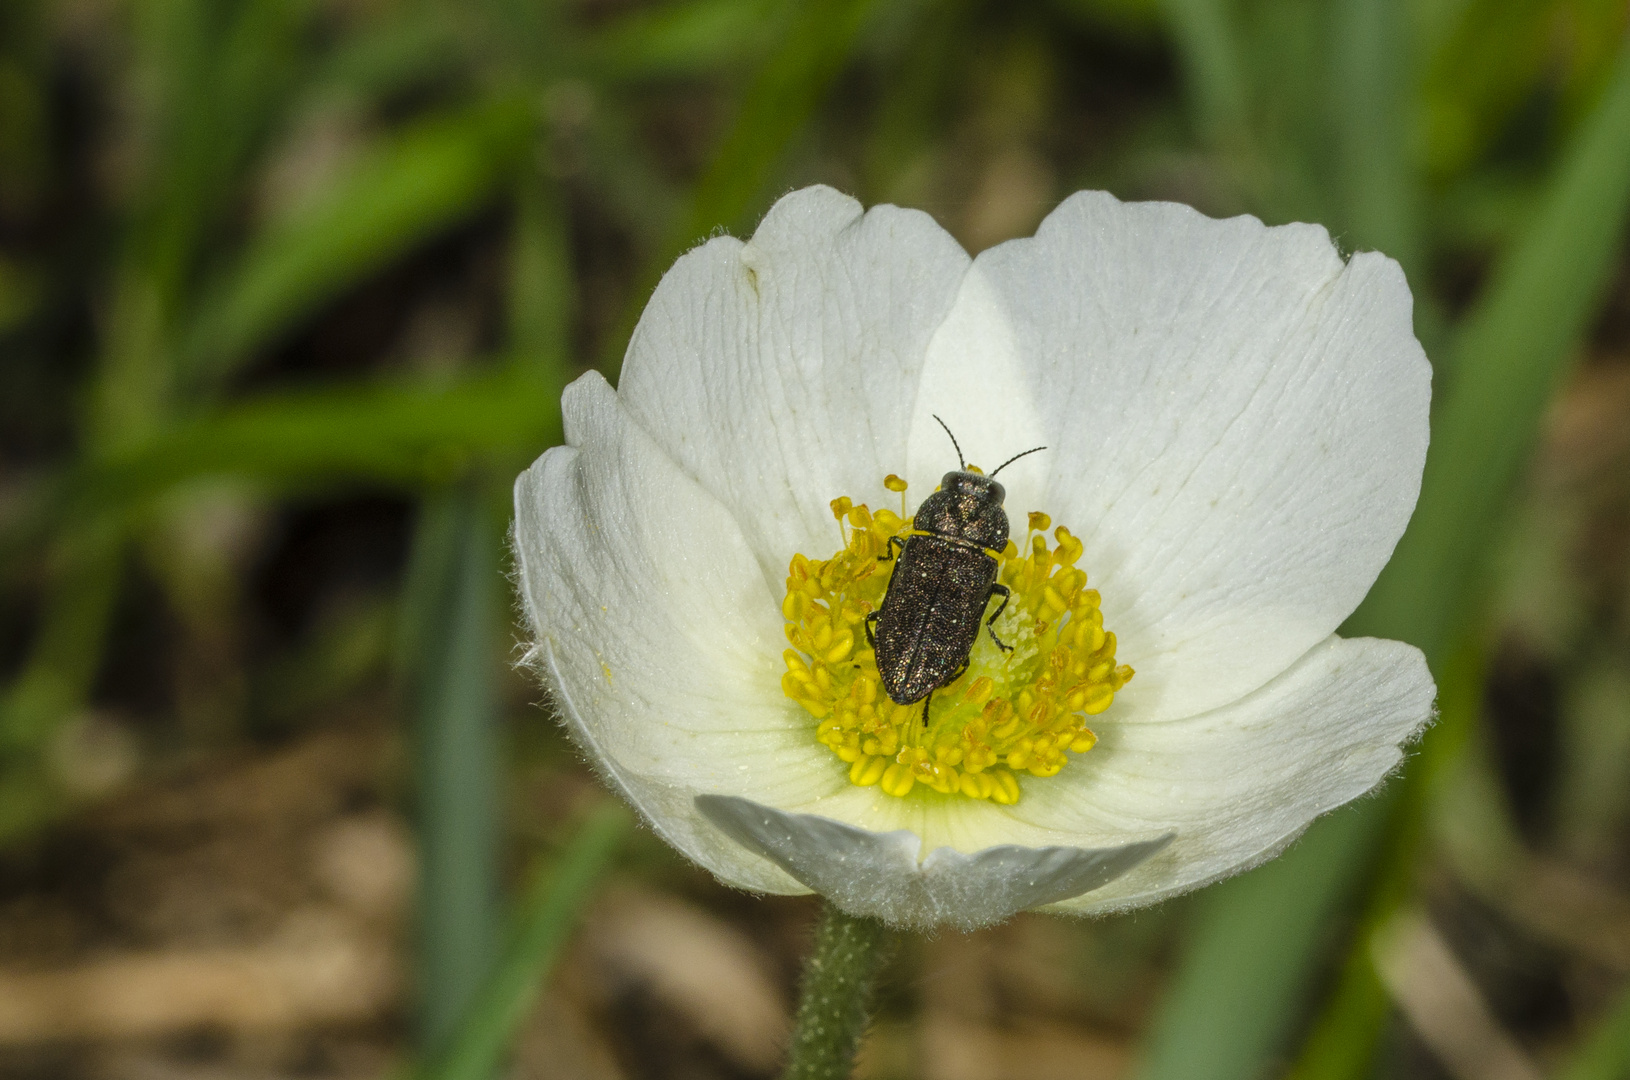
{"x":1014,"y":458}
{"x":963,"y":465}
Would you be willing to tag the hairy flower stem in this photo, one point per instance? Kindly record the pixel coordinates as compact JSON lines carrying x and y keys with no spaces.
{"x":836,"y":1001}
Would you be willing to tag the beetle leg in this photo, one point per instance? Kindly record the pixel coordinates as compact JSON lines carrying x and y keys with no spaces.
{"x":871,"y":636}
{"x":927,"y":701}
{"x":888,"y":548}
{"x":990,"y":623}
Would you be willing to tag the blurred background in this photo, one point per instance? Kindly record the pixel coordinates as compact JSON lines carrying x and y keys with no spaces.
{"x":288,"y":293}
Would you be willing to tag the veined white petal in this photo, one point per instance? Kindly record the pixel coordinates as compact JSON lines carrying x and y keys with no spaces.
{"x":780,"y":373}
{"x":1236,"y":422}
{"x":1240,"y":783}
{"x":657,"y":634}
{"x":1235,"y":785}
{"x":879,"y":874}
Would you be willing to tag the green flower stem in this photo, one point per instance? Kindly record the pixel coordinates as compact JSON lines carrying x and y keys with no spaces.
{"x":837,"y":995}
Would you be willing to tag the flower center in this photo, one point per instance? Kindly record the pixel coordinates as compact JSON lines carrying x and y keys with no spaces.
{"x":1010,"y":712}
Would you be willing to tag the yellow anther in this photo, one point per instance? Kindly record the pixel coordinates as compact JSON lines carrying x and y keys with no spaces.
{"x":839,"y":650}
{"x":898,"y":780}
{"x":867,"y":771}
{"x":975,"y":786}
{"x":1010,"y":713}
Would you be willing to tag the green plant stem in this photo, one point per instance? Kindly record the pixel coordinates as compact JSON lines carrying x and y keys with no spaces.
{"x":543,"y":923}
{"x":837,"y":995}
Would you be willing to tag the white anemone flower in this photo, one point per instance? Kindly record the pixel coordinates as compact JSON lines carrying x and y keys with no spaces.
{"x":1235,"y":421}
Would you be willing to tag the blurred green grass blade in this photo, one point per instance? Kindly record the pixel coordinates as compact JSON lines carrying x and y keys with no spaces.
{"x":1344,"y":1039}
{"x":540,"y":285}
{"x":1214,"y":76}
{"x":911,"y":113}
{"x":1251,"y":959}
{"x":777,"y":105}
{"x":689,"y":38}
{"x":1605,"y":1055}
{"x":1372,"y":107}
{"x":396,"y":433}
{"x":411,"y":185}
{"x":542,"y":924}
{"x":85,"y":569}
{"x":413,"y":45}
{"x":815,"y":44}
{"x":450,"y":658}
{"x":1509,"y":357}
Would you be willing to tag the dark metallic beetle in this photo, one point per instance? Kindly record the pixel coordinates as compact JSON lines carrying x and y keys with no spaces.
{"x":945,"y":579}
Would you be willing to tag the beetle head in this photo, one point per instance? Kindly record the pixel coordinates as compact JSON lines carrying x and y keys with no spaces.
{"x":971,"y":485}
{"x":967,"y":506}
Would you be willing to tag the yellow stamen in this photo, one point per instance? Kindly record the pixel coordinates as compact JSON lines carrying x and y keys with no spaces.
{"x":1009,"y":714}
{"x":894,"y":483}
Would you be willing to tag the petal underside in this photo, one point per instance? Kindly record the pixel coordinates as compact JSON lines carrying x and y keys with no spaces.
{"x":881,"y":875}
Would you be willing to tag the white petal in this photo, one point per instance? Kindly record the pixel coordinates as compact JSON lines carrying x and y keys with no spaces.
{"x":878,"y":874}
{"x":1240,"y":783}
{"x":657,"y":634}
{"x":1236,"y":422}
{"x":1234,"y":785}
{"x":780,"y":373}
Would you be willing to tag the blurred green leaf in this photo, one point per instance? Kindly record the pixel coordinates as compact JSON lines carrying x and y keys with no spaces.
{"x":20,"y":293}
{"x":1372,"y":76}
{"x":816,"y":42}
{"x":543,"y":922}
{"x":1134,"y":18}
{"x":1250,"y":961}
{"x":1209,"y":53}
{"x":1343,"y":1041}
{"x":1606,"y":1053}
{"x":1499,"y":55}
{"x":540,"y":285}
{"x":777,"y":105}
{"x":1509,"y":356}
{"x":415,"y":45}
{"x":695,"y":37}
{"x":411,"y":185}
{"x":84,"y":571}
{"x":450,"y":659}
{"x":394,"y":433}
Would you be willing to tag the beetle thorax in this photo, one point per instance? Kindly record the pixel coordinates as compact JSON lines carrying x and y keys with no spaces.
{"x":968,"y":506}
